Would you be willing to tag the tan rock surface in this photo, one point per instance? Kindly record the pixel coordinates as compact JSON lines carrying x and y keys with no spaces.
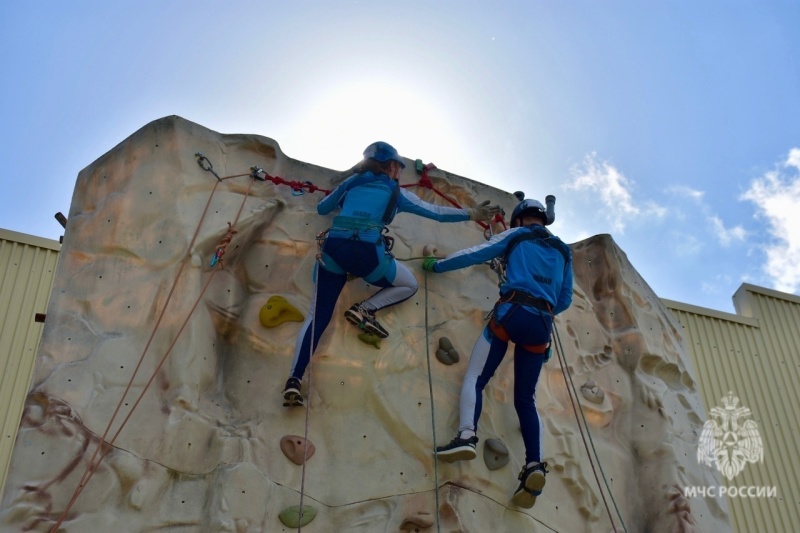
{"x":202,"y":450}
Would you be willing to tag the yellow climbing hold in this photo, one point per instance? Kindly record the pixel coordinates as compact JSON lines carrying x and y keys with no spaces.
{"x":370,"y":338}
{"x":277,"y":311}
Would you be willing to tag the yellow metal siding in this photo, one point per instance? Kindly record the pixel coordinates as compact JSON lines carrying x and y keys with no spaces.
{"x":27,"y":270}
{"x":756,"y":358}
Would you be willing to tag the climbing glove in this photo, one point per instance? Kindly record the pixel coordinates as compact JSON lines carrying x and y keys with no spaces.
{"x":484,"y":211}
{"x":428,"y":263}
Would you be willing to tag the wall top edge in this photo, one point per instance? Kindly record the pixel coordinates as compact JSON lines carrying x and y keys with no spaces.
{"x":713,"y":313}
{"x":32,"y":240}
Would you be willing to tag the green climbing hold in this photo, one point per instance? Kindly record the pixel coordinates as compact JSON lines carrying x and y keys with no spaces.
{"x":370,"y":338}
{"x":290,"y":517}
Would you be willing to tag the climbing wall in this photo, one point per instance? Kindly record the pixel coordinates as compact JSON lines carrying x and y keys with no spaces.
{"x":181,"y":287}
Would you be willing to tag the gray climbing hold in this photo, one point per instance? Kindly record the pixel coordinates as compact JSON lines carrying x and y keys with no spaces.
{"x":495,"y":454}
{"x":592,"y":392}
{"x":297,"y":449}
{"x":290,"y":517}
{"x":447,"y":354}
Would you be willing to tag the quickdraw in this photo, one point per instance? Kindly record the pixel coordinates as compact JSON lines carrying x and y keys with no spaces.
{"x":217,"y":258}
{"x":298,"y":187}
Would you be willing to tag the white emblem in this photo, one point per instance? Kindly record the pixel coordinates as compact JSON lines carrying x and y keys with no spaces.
{"x":729,"y":444}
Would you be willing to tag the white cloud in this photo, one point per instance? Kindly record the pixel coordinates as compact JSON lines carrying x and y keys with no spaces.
{"x":682,"y":190}
{"x":726,"y":235}
{"x":794,"y":158}
{"x":777,"y":199}
{"x":614,"y":191}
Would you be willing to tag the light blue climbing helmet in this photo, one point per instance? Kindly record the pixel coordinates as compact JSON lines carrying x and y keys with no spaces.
{"x":381,"y":151}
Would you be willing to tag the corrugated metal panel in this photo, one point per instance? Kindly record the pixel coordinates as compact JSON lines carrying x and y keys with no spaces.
{"x":779,"y":315}
{"x":27,"y":270}
{"x":751,"y":356}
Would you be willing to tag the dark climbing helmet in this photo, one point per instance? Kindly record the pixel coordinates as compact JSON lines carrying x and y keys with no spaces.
{"x":381,"y":151}
{"x":535,"y":208}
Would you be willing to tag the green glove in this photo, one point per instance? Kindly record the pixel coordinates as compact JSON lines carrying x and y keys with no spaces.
{"x":428,"y":263}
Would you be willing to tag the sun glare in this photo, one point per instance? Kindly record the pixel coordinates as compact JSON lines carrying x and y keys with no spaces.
{"x":337,"y":126}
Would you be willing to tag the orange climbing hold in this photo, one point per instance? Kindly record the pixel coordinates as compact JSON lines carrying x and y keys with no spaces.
{"x":297,"y":449}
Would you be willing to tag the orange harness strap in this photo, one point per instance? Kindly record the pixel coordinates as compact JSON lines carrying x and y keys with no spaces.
{"x":501,"y":333}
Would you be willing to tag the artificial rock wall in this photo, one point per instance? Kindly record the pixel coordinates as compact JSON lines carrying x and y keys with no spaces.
{"x":209,"y":447}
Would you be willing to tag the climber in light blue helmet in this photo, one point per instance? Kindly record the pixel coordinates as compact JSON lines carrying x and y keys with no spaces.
{"x":383,"y":152}
{"x":356,"y":245}
{"x":535,"y":286}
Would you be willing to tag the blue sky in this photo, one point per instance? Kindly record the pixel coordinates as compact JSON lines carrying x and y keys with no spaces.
{"x":674,"y":126}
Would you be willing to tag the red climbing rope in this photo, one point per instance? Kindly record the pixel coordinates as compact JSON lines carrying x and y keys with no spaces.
{"x":426,"y":183}
{"x":297,"y":186}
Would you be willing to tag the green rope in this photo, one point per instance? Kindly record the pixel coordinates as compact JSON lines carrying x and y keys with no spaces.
{"x":562,"y":361}
{"x":433,"y":418}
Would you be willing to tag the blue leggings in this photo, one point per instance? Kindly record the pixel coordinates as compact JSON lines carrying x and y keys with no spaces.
{"x":525,"y":326}
{"x":397,"y":282}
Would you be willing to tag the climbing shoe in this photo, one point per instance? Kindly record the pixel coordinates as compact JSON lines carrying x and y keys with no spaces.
{"x":365,"y":319}
{"x":531,"y":483}
{"x":291,"y":393}
{"x":458,"y":450}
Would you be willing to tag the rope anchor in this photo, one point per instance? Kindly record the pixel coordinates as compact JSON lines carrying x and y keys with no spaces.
{"x":258,"y":173}
{"x":209,"y":168}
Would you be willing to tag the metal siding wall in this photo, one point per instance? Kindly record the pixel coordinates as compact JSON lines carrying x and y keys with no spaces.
{"x":780,"y":318}
{"x":737,"y":354}
{"x":27,"y":270}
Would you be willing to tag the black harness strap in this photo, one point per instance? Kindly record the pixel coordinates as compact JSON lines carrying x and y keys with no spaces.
{"x":392,"y":205}
{"x":538,"y":233}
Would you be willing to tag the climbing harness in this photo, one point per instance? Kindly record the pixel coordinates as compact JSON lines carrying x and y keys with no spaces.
{"x":538,"y":234}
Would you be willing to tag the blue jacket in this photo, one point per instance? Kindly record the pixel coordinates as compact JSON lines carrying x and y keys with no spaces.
{"x":533,"y":267}
{"x":362,"y":206}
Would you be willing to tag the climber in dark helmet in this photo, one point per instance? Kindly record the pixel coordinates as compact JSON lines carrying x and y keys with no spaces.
{"x":357,"y":245}
{"x":536,"y":284}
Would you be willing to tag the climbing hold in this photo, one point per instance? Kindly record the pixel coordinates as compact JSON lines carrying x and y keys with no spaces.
{"x":495,"y":454}
{"x":277,"y":311}
{"x":370,"y":338}
{"x":429,"y":250}
{"x":447,"y":354}
{"x":592,"y":392}
{"x":290,"y":517}
{"x":297,"y":449}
